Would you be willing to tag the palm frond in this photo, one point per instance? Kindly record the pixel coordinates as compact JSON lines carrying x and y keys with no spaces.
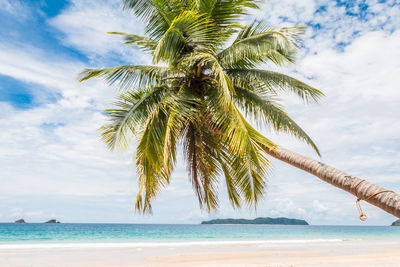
{"x":188,"y":32}
{"x":149,"y":161}
{"x":248,"y":164}
{"x":153,"y":177}
{"x":264,"y":110}
{"x":128,"y":76}
{"x":226,"y":12}
{"x":252,"y":168}
{"x":218,"y":76}
{"x":156,"y":150}
{"x":259,"y":43}
{"x":203,"y":168}
{"x":157,"y":14}
{"x":143,"y":42}
{"x":125,"y":121}
{"x":232,"y":185}
{"x":183,"y":108}
{"x":271,"y":81}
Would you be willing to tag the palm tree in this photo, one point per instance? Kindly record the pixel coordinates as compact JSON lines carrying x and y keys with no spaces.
{"x":204,"y":82}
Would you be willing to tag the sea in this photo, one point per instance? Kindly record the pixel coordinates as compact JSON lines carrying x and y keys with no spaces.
{"x":69,"y":235}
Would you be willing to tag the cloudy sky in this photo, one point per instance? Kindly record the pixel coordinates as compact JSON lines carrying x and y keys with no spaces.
{"x":54,"y":165}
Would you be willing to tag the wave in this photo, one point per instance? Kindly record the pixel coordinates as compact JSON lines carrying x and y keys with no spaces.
{"x":162,"y":244}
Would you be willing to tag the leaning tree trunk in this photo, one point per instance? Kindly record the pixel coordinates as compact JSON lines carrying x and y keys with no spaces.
{"x":387,"y":200}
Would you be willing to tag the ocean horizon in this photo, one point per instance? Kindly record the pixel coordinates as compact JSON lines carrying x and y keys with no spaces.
{"x":69,"y":235}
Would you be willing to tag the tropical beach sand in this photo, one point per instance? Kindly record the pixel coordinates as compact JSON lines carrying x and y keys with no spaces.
{"x":346,"y":253}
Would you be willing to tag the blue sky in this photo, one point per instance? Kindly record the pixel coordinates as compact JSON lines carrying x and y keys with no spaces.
{"x":53,"y":164}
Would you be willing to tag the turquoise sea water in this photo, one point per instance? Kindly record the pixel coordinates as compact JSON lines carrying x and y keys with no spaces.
{"x":47,"y":235}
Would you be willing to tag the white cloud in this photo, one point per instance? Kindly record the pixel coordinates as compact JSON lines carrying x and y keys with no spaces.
{"x":16,"y":212}
{"x":286,"y":207}
{"x":53,"y":73}
{"x":85,"y":24}
{"x":319,"y":207}
{"x":63,"y":134}
{"x":274,"y":11}
{"x":19,"y":10}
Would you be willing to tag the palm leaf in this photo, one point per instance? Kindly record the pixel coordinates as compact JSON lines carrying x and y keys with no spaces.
{"x":263,"y":109}
{"x":271,"y":82}
{"x":248,"y":164}
{"x":128,"y":76}
{"x":150,"y":154}
{"x":218,"y":77}
{"x":157,"y":14}
{"x":126,"y":120}
{"x":203,"y":165}
{"x":259,"y":43}
{"x":181,"y":110}
{"x":145,"y":43}
{"x":188,"y":32}
{"x":226,"y":12}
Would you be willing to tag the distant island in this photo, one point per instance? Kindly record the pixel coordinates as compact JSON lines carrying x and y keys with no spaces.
{"x":260,"y":220}
{"x":49,"y":221}
{"x":52,"y":221}
{"x":396,"y":223}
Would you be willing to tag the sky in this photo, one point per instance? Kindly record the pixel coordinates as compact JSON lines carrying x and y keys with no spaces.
{"x":53,"y":163}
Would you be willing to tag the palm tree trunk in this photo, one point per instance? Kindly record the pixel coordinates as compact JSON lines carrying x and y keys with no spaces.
{"x":388,"y":201}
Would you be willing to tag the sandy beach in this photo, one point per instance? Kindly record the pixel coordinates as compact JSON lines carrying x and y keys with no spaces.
{"x":345,"y":253}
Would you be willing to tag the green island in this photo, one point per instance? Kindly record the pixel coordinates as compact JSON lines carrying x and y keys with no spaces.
{"x":260,"y":220}
{"x":52,"y":221}
{"x":396,"y":223}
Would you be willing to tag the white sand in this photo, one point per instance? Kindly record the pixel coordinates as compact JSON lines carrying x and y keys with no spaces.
{"x":347,"y":253}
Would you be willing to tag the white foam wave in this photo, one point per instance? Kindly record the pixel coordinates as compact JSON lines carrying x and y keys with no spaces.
{"x":161,"y":244}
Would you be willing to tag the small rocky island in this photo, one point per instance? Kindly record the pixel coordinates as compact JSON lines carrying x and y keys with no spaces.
{"x":396,"y":223}
{"x":260,"y":220}
{"x":20,"y":221}
{"x":52,"y":221}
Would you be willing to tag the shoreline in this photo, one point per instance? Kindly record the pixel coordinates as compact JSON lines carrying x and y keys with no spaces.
{"x":346,"y":253}
{"x":161,"y":243}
